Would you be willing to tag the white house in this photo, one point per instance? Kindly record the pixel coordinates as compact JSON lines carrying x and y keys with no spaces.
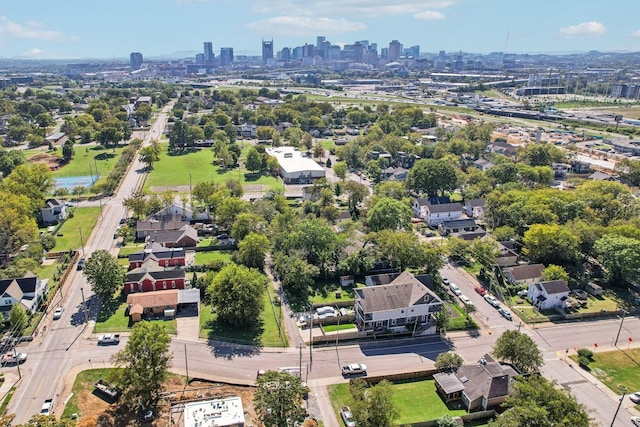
{"x":183,"y":212}
{"x":434,"y":213}
{"x":549,"y":295}
{"x":27,"y":291}
{"x":404,"y":305}
{"x":474,"y":208}
{"x":294,"y":167}
{"x":53,"y":211}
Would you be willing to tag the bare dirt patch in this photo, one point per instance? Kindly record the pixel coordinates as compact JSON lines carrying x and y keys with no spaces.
{"x":52,"y":162}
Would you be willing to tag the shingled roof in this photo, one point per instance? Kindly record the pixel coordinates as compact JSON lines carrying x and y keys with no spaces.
{"x":404,"y":291}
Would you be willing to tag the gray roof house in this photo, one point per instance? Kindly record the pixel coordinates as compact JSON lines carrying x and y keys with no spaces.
{"x":480,"y":386}
{"x":549,"y":295}
{"x":145,"y":228}
{"x":530,"y":273}
{"x":186,"y":236}
{"x":53,"y":211}
{"x":403,"y":305}
{"x":28,"y":291}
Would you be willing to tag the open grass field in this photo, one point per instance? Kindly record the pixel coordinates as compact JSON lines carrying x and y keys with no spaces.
{"x":104,"y":159}
{"x":616,"y":368}
{"x":68,"y":236}
{"x":347,"y":294}
{"x":204,"y":258}
{"x":197,"y":166}
{"x":416,"y":401}
{"x":266,"y":333}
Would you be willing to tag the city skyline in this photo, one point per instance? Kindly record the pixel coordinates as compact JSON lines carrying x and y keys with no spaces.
{"x":45,"y":30}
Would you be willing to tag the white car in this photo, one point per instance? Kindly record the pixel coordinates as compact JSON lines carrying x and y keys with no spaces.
{"x":465,"y":300}
{"x":58,"y":313}
{"x":492,"y":300}
{"x":635,"y":421}
{"x":354,"y":369}
{"x":635,"y":397}
{"x":347,"y":416}
{"x":455,"y":289}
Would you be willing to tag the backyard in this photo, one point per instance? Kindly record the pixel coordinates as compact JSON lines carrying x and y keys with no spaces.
{"x":83,"y":222}
{"x":415,"y":400}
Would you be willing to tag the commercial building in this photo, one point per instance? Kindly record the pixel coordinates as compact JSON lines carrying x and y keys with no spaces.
{"x":294,"y":167}
{"x":226,"y":56}
{"x":136,"y":60}
{"x":208,"y":53}
{"x":267,"y":52}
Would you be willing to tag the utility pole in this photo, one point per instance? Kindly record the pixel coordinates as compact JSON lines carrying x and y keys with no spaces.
{"x":15,"y":354}
{"x":186,"y":365}
{"x":84,"y":305}
{"x":623,"y":389}
{"x":620,"y":328}
{"x":310,"y":337}
{"x":81,"y":242}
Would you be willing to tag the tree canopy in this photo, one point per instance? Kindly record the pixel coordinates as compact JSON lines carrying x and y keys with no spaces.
{"x":433,"y":177}
{"x":104,"y":274}
{"x":373,"y":405}
{"x":278,"y":399}
{"x":520,"y":350}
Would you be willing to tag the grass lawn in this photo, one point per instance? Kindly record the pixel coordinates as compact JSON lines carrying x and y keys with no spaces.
{"x":333,"y":328}
{"x":204,"y":258}
{"x":528,"y":314}
{"x":329,"y":298}
{"x":458,"y":320}
{"x":266,"y":333}
{"x":104,"y":159}
{"x":197,"y":166}
{"x":68,"y":236}
{"x":416,"y":401}
{"x":112,"y":318}
{"x":328,"y":144}
{"x":129,"y":249}
{"x":615,"y":368}
{"x":473,"y":269}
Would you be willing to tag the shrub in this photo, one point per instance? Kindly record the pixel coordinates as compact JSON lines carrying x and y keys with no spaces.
{"x":584,"y":361}
{"x":586,"y":353}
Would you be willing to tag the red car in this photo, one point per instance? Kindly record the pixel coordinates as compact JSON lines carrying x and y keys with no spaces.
{"x":480,"y":290}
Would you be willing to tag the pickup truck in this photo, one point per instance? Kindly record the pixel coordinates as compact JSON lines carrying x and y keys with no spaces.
{"x":109,"y":339}
{"x":108,"y":390}
{"x":47,"y":406}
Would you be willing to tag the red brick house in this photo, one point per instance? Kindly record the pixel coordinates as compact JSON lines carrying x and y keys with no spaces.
{"x":153,"y":277}
{"x":165,"y":257}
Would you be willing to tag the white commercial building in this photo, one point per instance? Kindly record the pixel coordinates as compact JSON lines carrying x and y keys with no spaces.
{"x":214,"y":413}
{"x":294,"y":167}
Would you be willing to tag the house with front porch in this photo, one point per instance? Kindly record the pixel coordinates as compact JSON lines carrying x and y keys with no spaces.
{"x":549,"y":295}
{"x":458,"y":227}
{"x":479,"y":386}
{"x":165,"y":257}
{"x":403,"y":305}
{"x":153,"y":277}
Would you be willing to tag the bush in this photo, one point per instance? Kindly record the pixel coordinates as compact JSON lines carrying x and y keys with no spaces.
{"x":584,"y":361}
{"x":586,"y":353}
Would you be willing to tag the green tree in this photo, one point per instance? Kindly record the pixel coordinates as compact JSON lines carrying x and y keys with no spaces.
{"x":551,"y":244}
{"x":10,"y":159}
{"x":297,"y":276}
{"x":236,"y":292}
{"x":17,"y":224}
{"x":254,"y":160}
{"x":447,"y":421}
{"x":18,"y":319}
{"x":620,"y":256}
{"x":443,"y":317}
{"x":555,"y":272}
{"x":149,"y":155}
{"x":341,"y":170}
{"x":433,"y":177}
{"x":245,"y":223}
{"x":278,"y":399}
{"x":252,"y":250}
{"x":145,"y":361}
{"x":33,"y":180}
{"x":373,"y":406}
{"x":520,"y":350}
{"x":137,"y":204}
{"x":67,"y":150}
{"x":448,"y":361}
{"x":104,"y":274}
{"x":389,"y":214}
{"x":536,"y":401}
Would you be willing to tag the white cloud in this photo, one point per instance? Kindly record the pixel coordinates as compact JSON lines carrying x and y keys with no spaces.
{"x":31,"y":30}
{"x":428,"y":15}
{"x":303,"y":26}
{"x":348,"y":8}
{"x":584,"y":29}
{"x":635,"y":33}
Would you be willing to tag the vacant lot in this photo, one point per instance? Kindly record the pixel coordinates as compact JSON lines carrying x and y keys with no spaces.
{"x":87,"y":158}
{"x":616,"y":368}
{"x":83,"y":221}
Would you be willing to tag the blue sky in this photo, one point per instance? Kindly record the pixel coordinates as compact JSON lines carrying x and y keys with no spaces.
{"x":41,"y":29}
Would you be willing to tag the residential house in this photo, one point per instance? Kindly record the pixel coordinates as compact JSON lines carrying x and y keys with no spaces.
{"x":524,"y":274}
{"x":152,"y":277}
{"x":474,"y":208}
{"x":480,"y":386}
{"x":248,"y":130}
{"x":186,"y":236}
{"x":501,"y":147}
{"x":483,"y":164}
{"x":560,"y":170}
{"x":180,"y":212}
{"x":404,"y":305}
{"x":508,"y":254}
{"x":53,"y":211}
{"x":433,"y":212}
{"x":581,"y":167}
{"x":549,"y":295}
{"x":161,"y":302}
{"x":460,"y":227}
{"x":28,"y":291}
{"x":165,"y":257}
{"x":601,"y":176}
{"x":394,"y":174}
{"x":145,"y":228}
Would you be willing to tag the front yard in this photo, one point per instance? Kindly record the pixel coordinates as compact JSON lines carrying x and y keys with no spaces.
{"x":83,"y":221}
{"x":416,"y":401}
{"x":112,"y":318}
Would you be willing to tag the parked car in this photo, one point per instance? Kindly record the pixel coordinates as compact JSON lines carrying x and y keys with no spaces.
{"x":347,"y":416}
{"x":58,"y":313}
{"x":492,"y":300}
{"x":109,"y":339}
{"x":354,"y":369}
{"x":635,"y":421}
{"x":480,"y":290}
{"x":455,"y":289}
{"x":505,"y":313}
{"x":523,"y":293}
{"x":47,"y":406}
{"x":14,"y":359}
{"x":80,"y":264}
{"x":465,"y":300}
{"x":635,"y":397}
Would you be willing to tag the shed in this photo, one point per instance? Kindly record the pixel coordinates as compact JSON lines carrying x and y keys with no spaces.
{"x":593,"y":289}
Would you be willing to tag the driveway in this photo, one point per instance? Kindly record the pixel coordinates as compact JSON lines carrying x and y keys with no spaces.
{"x":188,"y":324}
